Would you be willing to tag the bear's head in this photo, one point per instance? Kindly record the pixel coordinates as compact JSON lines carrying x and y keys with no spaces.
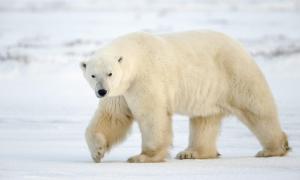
{"x":114,"y":68}
{"x":105,"y":74}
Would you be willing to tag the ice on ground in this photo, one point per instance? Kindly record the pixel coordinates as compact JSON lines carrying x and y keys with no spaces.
{"x":45,"y":104}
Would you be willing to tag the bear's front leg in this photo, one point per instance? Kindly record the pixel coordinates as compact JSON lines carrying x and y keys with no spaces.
{"x":96,"y":143}
{"x":110,"y":125}
{"x":156,"y":137}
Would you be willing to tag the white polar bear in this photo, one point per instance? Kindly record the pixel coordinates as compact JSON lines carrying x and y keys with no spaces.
{"x":203,"y":74}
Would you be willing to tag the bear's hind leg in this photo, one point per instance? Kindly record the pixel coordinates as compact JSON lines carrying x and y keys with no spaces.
{"x":269,"y":133}
{"x":202,"y":139}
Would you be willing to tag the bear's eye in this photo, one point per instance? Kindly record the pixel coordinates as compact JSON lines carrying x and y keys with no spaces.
{"x":120,"y":59}
{"x":93,"y":76}
{"x":109,"y":74}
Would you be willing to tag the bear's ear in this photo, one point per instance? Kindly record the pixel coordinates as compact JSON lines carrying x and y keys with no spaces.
{"x":83,"y":66}
{"x":120,"y":59}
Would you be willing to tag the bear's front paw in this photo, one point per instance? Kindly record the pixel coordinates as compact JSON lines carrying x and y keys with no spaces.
{"x":187,"y":155}
{"x":98,"y":154}
{"x":137,"y":159}
{"x":96,"y":144}
{"x":194,"y":154}
{"x":142,"y":158}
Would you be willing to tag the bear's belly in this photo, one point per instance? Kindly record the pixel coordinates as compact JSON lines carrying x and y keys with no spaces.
{"x":201,"y":99}
{"x":194,"y":108}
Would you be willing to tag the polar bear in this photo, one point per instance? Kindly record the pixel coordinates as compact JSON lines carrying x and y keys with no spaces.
{"x":202,"y":74}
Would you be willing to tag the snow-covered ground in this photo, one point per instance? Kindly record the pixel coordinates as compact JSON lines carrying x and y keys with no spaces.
{"x":45,"y":104}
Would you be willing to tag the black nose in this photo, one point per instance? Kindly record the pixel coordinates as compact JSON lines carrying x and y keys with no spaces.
{"x":102,"y":92}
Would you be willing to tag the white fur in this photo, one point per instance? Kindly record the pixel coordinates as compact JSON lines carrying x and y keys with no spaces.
{"x":203,"y":74}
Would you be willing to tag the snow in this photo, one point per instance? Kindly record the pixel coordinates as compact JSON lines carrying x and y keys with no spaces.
{"x":45,"y":104}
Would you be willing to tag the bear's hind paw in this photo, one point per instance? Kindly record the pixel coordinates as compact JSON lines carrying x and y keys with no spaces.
{"x":270,"y":153}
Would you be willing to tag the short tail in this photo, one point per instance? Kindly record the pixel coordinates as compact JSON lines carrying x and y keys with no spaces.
{"x":286,"y":146}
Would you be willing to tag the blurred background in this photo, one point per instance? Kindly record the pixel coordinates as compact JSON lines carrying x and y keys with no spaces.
{"x":45,"y":104}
